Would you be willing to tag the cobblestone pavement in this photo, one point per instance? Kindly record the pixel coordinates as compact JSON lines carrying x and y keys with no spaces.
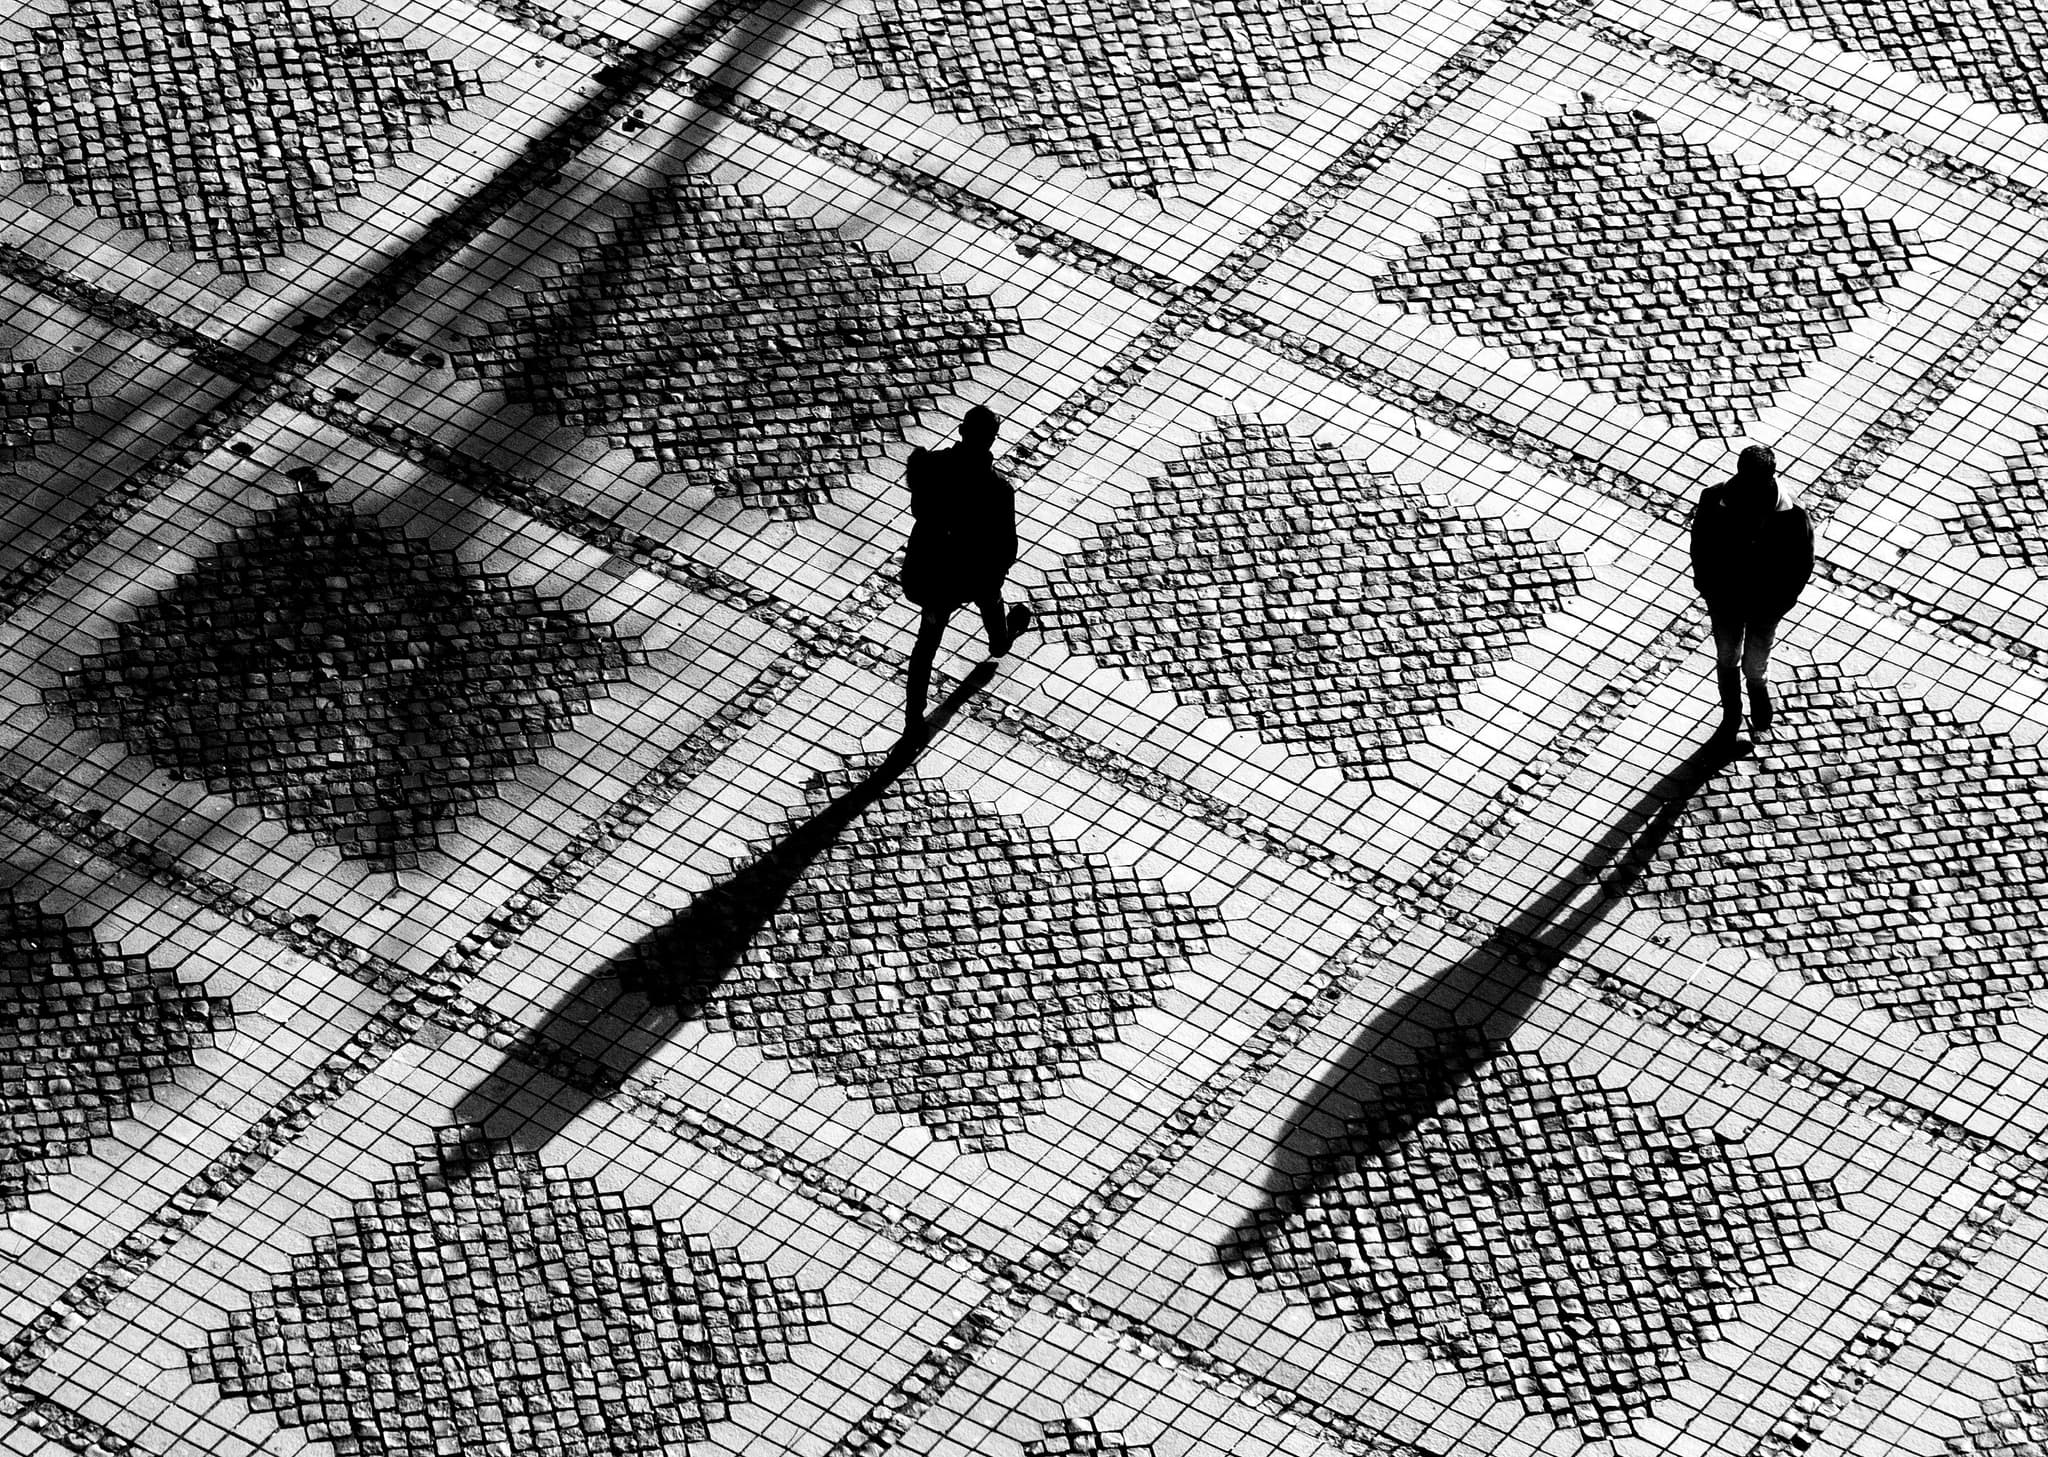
{"x":481,"y":976}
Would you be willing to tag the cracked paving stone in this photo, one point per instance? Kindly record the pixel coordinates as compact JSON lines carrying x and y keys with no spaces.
{"x":1314,"y":603}
{"x":1647,"y":267}
{"x":1145,"y":93}
{"x":2011,"y":515}
{"x":362,"y":686}
{"x":478,"y":1303}
{"x":1885,"y":849}
{"x":86,"y":1033}
{"x":736,"y":348}
{"x":226,"y":127}
{"x":1546,"y":1234}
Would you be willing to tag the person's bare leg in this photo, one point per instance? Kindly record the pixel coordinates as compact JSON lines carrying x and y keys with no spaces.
{"x":1756,"y":667}
{"x":931,"y":629}
{"x":1727,"y":676}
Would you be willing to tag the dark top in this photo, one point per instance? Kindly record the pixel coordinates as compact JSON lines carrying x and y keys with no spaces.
{"x":965,"y":537}
{"x":1755,"y":567}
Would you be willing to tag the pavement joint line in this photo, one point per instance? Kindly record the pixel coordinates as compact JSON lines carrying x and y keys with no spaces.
{"x":55,"y":1422}
{"x":621,"y":86}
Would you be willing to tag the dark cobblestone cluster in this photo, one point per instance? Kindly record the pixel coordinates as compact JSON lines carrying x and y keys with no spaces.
{"x":2011,"y":518}
{"x":34,"y":406}
{"x":952,"y":965}
{"x":1080,"y":1437}
{"x":85,"y":1034}
{"x":227,"y":127}
{"x":1993,"y":50}
{"x":353,"y":681}
{"x":502,"y":1309}
{"x":1559,"y":1240}
{"x":2013,"y":1423}
{"x":1140,"y":92}
{"x":1882,"y":847}
{"x":1649,"y":268}
{"x":1312,"y":602}
{"x":737,"y":348}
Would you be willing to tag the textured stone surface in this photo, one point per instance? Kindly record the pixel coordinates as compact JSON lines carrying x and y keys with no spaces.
{"x":2013,"y":1423}
{"x":2011,"y":515}
{"x":1080,"y":1437}
{"x":950,"y":964}
{"x":1143,"y":92}
{"x":85,"y":1034}
{"x":34,"y":406}
{"x":735,"y":347}
{"x":1268,"y":579}
{"x":1651,"y":269}
{"x":1994,"y":50}
{"x":352,"y":681}
{"x":1558,"y":1239}
{"x":1884,"y":848}
{"x":235,"y":124}
{"x":505,"y":1309}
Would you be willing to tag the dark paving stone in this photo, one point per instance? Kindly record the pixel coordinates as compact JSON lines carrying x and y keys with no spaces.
{"x":1993,"y":50}
{"x":352,"y":681}
{"x":34,"y":406}
{"x":1145,"y":95}
{"x":2011,"y":516}
{"x":1651,"y":269}
{"x":85,"y":1034}
{"x":1080,"y":1437}
{"x":737,"y":348}
{"x":2013,"y":1423}
{"x":1557,"y":1239}
{"x":505,"y":1309}
{"x":1311,"y":602}
{"x":1885,"y":849}
{"x":227,"y":127}
{"x":950,"y":964}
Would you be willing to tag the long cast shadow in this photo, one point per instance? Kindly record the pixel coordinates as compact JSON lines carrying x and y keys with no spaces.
{"x":620,"y":1014}
{"x":1471,"y":1007}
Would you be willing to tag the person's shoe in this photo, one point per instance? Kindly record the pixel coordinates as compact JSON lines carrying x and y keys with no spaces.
{"x":1014,"y":625}
{"x":1730,"y":685}
{"x":1759,"y":710}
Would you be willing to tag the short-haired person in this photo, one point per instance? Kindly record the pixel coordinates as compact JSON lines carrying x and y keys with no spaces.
{"x":1752,"y":553}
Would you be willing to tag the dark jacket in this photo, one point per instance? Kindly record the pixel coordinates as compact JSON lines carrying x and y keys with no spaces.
{"x":1756,"y":568}
{"x":964,"y":539}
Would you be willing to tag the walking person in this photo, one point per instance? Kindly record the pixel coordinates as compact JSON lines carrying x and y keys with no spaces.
{"x":962,"y":546}
{"x":1752,"y":553}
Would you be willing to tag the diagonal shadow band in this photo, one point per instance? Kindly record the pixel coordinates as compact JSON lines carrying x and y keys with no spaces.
{"x":619,"y":1015}
{"x":1468,"y":1010}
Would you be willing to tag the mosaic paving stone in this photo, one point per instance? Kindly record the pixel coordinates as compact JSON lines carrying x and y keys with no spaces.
{"x":227,"y":127}
{"x":2015,"y":1422}
{"x":34,"y":406}
{"x":1080,"y":1437}
{"x":950,"y":964}
{"x":86,"y":1033}
{"x":1651,"y":269}
{"x":1267,"y":579}
{"x":1142,"y":92}
{"x":2011,"y":518}
{"x":1562,"y":1241}
{"x":737,"y":348}
{"x":354,"y":682}
{"x":500,"y":1308}
{"x":1993,"y":50}
{"x":1882,"y":847}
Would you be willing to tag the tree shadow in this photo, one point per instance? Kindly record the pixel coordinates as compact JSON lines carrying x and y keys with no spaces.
{"x":621,"y":1014}
{"x":1468,"y":1010}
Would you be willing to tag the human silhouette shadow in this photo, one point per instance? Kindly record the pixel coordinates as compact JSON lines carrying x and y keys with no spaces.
{"x":1462,"y":1016}
{"x":621,"y":1013}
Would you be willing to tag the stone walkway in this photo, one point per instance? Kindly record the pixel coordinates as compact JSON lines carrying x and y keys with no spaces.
{"x":480,"y":980}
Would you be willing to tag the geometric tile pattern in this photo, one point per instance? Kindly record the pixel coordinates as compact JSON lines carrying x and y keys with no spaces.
{"x":1267,"y":579}
{"x":506,"y":1309}
{"x":1140,"y":92}
{"x":735,"y":347}
{"x":239,"y":123}
{"x":1993,"y":50}
{"x":2011,"y":517}
{"x":1884,"y":848}
{"x":34,"y":406}
{"x":351,"y":680}
{"x":2015,"y":1422}
{"x":1079,"y":1437}
{"x":944,"y":962}
{"x":1554,"y":1237}
{"x":1647,"y":267}
{"x":86,"y":1033}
